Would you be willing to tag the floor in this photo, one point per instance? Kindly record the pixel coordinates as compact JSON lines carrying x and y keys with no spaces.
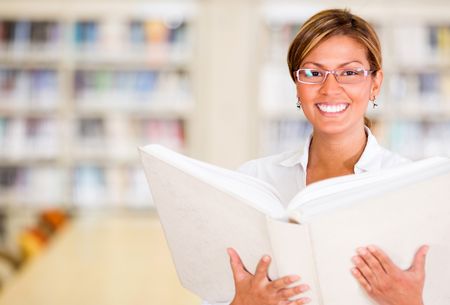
{"x":102,"y":259}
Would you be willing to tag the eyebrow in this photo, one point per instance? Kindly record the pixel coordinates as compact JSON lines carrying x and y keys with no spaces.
{"x":341,"y":65}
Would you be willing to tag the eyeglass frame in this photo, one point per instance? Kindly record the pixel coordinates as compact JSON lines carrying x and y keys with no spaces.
{"x":327,"y":72}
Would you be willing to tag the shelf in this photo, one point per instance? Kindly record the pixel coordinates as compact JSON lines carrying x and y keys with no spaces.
{"x":289,"y":11}
{"x":419,"y":112}
{"x":150,"y":110}
{"x":30,"y":59}
{"x":13,"y":160}
{"x":25,"y":111}
{"x":168,"y":60}
{"x":92,"y":82}
{"x":100,"y":158}
{"x":37,"y":10}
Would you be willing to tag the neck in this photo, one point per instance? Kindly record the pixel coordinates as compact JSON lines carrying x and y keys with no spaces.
{"x":337,"y":153}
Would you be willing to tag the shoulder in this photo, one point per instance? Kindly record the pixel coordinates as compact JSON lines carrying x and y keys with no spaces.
{"x":377,"y":157}
{"x":267,"y":164}
{"x":390,"y":159}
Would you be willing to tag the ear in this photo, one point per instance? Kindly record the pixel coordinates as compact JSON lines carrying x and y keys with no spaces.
{"x":377,"y":80}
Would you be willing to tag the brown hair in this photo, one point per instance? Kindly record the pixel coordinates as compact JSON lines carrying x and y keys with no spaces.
{"x":334,"y":22}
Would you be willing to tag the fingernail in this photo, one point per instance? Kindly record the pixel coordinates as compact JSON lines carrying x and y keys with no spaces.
{"x":371,"y":248}
{"x":305,"y":287}
{"x":354,"y":271}
{"x":306,"y":300}
{"x":266,"y":258}
{"x":355,"y":259}
{"x":361,"y":251}
{"x":294,"y":278}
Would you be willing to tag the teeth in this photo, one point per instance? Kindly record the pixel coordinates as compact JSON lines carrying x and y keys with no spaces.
{"x":332,"y":108}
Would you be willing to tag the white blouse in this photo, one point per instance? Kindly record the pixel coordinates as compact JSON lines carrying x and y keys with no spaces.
{"x":287,"y":171}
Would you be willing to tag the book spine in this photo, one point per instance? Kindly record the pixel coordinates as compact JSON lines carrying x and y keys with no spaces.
{"x":293,"y":255}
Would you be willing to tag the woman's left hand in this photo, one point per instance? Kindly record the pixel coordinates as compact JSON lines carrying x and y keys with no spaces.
{"x":385,"y":282}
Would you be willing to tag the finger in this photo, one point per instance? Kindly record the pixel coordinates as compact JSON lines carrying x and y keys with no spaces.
{"x":383,"y":258}
{"x":237,"y":267}
{"x":261,"y":269}
{"x":300,"y":301}
{"x":418,"y":264}
{"x":284,"y":282}
{"x":293,"y":291}
{"x":364,"y":269}
{"x":361,"y":280}
{"x":371,"y":261}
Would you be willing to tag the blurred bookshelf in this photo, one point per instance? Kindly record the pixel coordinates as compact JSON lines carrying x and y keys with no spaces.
{"x":80,"y":89}
{"x":413,"y":117}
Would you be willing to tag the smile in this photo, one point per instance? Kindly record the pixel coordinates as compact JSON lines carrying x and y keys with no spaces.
{"x":336,"y":108}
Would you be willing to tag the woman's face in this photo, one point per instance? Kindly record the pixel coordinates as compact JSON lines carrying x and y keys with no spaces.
{"x":321,"y":101}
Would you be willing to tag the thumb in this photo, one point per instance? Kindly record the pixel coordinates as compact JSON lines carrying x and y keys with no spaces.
{"x":418,"y":264}
{"x":237,"y":267}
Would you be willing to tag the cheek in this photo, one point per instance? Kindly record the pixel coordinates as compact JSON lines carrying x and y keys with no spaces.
{"x":358,"y":94}
{"x":305,"y":94}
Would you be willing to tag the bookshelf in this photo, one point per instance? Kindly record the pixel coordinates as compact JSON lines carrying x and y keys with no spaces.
{"x":80,"y":89}
{"x":414,"y":114}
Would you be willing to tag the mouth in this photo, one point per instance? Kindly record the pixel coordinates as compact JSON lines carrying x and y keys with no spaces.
{"x":332,"y":108}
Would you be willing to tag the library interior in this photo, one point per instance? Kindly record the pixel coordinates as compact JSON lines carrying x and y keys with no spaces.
{"x":83,"y":84}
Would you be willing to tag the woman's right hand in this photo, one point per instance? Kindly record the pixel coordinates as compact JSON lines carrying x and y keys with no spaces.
{"x":258,"y":289}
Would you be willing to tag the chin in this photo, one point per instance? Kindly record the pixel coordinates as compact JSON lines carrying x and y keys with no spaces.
{"x":336,"y":128}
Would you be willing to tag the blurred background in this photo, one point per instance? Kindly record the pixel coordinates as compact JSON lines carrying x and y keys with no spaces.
{"x":84,"y":83}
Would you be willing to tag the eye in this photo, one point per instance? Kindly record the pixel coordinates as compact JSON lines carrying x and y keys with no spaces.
{"x":313,"y":73}
{"x":350,"y":72}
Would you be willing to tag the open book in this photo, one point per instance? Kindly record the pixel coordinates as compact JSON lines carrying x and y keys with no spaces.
{"x":205,"y":209}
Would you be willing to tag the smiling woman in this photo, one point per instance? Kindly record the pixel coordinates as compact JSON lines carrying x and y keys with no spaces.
{"x":335,"y":62}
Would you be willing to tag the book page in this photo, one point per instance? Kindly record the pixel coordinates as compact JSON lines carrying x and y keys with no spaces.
{"x":254,"y":192}
{"x":200,"y":222}
{"x":293,"y":255}
{"x":340,"y":192}
{"x":399,"y":222}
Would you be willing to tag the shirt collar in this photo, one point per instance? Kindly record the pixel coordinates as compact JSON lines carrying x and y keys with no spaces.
{"x":299,"y":156}
{"x":369,"y":160}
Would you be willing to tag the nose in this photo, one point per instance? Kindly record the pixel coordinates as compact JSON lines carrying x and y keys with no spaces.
{"x":330,"y":85}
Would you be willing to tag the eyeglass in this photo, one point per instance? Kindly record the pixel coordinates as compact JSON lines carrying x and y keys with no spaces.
{"x":343,"y":76}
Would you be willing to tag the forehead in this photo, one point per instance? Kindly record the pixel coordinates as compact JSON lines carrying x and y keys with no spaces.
{"x":337,"y":50}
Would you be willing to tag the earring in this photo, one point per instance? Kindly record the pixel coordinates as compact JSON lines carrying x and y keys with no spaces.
{"x":299,"y":104}
{"x":373,"y":100}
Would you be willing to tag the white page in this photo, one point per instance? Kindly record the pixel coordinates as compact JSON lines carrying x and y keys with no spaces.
{"x":343,"y":191}
{"x":293,"y":255}
{"x":200,"y":222}
{"x":399,"y":222}
{"x":256,"y":193}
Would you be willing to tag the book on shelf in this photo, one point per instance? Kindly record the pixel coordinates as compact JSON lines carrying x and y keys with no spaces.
{"x":418,"y":139}
{"x":24,"y":185}
{"x":204,"y":209}
{"x":284,"y":134}
{"x":29,"y":89}
{"x":22,"y":35}
{"x":90,"y":186}
{"x":86,"y":34}
{"x":134,"y":89}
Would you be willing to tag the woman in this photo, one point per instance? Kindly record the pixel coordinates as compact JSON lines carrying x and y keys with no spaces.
{"x":335,"y":62}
